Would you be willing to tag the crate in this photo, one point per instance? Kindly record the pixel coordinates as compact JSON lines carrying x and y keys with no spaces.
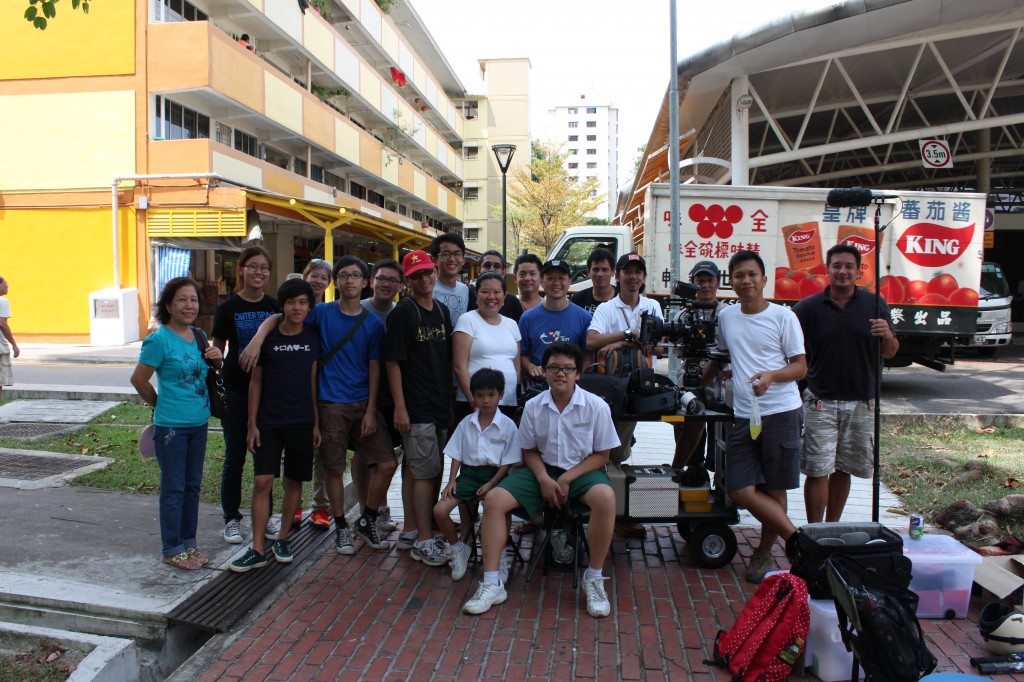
{"x":943,"y":575}
{"x":826,"y":655}
{"x":651,"y":492}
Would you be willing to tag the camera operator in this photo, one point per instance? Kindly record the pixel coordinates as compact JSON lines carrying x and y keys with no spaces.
{"x":691,"y":436}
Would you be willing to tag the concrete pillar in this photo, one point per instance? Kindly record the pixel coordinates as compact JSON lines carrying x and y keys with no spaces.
{"x":740,"y":134}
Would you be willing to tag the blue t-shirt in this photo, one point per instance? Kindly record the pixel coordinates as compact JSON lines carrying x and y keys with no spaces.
{"x":541,"y":327}
{"x":181,"y":379}
{"x":286,"y":362}
{"x":345,"y":377}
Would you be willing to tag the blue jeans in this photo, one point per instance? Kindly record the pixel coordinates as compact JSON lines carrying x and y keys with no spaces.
{"x":236,"y":428}
{"x":180,"y":453}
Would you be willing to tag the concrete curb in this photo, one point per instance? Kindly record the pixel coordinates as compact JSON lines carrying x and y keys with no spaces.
{"x":111,"y":658}
{"x":970,"y":421}
{"x":118,"y":394}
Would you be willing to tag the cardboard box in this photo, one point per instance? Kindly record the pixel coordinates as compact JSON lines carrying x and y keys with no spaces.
{"x":1003,"y":576}
{"x":942,"y":575}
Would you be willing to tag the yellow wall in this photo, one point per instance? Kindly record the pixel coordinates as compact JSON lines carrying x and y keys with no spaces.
{"x":82,"y":139}
{"x":101,"y":43}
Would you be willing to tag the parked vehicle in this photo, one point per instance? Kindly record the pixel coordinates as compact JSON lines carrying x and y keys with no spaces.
{"x":994,"y":328}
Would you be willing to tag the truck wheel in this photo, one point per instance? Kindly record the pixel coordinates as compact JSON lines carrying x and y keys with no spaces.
{"x":712,"y":545}
{"x":684,"y":530}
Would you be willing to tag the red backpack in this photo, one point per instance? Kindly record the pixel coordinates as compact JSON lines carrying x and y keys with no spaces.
{"x":770,"y":634}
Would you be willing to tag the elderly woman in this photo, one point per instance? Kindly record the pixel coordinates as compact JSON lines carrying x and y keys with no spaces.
{"x":318,"y":274}
{"x":180,"y":416}
{"x":485,"y":338}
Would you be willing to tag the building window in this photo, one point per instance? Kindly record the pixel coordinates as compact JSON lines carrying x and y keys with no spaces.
{"x":591,"y":177}
{"x":375,"y":198}
{"x":416,"y":215}
{"x":472,"y":234}
{"x":403,"y":210}
{"x":591,"y":164}
{"x":591,"y":151}
{"x":299,"y":166}
{"x":176,"y":122}
{"x":246,"y":143}
{"x":574,"y":124}
{"x":573,"y":152}
{"x":469,"y":108}
{"x":574,"y":178}
{"x":574,"y":138}
{"x":593,"y":193}
{"x":591,"y":138}
{"x":224,"y":134}
{"x":276,"y":157}
{"x":591,"y":110}
{"x":573,"y":110}
{"x":358,"y":191}
{"x":591,"y":124}
{"x":330,"y":179}
{"x":573,"y":164}
{"x":471,"y":152}
{"x":181,"y":10}
{"x":471,"y":193}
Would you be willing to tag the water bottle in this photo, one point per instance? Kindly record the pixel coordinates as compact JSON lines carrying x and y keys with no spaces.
{"x":561,"y":550}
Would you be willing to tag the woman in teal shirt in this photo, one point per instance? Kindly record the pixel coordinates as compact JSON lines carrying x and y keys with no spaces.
{"x":180,"y":416}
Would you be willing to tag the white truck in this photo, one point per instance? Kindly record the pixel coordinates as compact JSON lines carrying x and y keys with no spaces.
{"x":994,"y":300}
{"x":931,"y":252}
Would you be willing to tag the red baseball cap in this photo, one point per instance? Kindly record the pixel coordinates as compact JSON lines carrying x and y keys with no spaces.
{"x":414,"y":261}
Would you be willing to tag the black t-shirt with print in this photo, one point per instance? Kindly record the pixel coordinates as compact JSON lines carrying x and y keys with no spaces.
{"x":236,"y":322}
{"x":286,"y":362}
{"x":420,"y":341}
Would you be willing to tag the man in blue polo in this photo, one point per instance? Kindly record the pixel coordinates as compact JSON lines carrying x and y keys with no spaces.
{"x":841,"y":333}
{"x":555,"y":319}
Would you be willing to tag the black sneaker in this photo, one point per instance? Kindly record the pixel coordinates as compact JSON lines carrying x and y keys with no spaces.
{"x":367,"y":529}
{"x":281,"y":551}
{"x":252,"y":559}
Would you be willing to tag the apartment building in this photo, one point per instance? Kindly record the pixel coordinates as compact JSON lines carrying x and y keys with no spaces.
{"x":156,"y":138}
{"x":589,"y":134}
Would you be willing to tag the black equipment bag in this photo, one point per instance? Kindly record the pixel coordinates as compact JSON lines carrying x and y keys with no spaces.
{"x":608,"y":387}
{"x":878,"y":622}
{"x":812,"y":545}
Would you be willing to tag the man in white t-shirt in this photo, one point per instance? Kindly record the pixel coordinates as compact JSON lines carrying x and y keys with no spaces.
{"x":766,"y":351}
{"x":7,"y":345}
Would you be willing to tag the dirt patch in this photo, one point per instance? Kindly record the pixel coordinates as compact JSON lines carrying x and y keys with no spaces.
{"x":34,"y":659}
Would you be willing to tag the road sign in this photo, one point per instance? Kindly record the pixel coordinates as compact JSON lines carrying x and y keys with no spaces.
{"x":935,"y":154}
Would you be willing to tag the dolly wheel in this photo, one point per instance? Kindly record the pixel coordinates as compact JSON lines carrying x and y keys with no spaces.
{"x":712,"y":545}
{"x":685,"y":530}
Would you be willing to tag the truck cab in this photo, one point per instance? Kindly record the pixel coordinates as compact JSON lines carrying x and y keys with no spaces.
{"x":994,"y":298}
{"x":575,"y":245}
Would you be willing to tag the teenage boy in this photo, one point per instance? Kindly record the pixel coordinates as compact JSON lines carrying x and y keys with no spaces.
{"x":842,"y":337}
{"x":347,"y":389}
{"x":491,"y":261}
{"x":7,"y":345}
{"x":566,"y":434}
{"x":555,"y":319}
{"x":600,"y":265}
{"x":527,"y":275}
{"x":448,"y":251}
{"x":483,"y":448}
{"x":766,"y":351}
{"x":282,"y":418}
{"x":418,"y":358}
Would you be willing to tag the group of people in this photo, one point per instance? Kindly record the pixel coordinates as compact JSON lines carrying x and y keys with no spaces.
{"x":438,"y":373}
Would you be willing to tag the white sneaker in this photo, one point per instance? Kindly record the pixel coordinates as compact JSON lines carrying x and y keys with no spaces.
{"x":486,"y":596}
{"x":273,"y":527}
{"x":598,"y":605}
{"x":385,"y":524}
{"x":233,"y":532}
{"x":429,"y":553}
{"x":460,"y":561}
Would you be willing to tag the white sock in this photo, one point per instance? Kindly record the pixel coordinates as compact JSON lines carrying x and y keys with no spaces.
{"x":492,"y":578}
{"x":410,"y":535}
{"x":593,"y":574}
{"x":458,"y":546}
{"x":422,"y":544}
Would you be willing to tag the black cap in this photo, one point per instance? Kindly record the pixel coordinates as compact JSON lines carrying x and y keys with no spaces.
{"x":556,"y":264}
{"x":630,"y":259}
{"x":705,"y":266}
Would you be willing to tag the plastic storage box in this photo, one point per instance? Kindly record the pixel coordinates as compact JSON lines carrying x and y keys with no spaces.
{"x":826,"y":655}
{"x":943,"y":575}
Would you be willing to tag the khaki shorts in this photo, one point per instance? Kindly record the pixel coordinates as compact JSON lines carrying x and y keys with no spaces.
{"x":6,"y":373}
{"x":423,"y":445}
{"x":838,"y":437}
{"x":339,"y":430}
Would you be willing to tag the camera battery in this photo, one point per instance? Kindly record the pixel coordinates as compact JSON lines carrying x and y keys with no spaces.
{"x":651,"y":492}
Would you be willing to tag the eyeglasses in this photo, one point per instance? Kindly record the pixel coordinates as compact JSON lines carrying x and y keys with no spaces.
{"x":491,"y":266}
{"x":257,"y":268}
{"x":449,"y":255}
{"x":556,"y":370}
{"x":345,"y":276}
{"x":387,"y":280}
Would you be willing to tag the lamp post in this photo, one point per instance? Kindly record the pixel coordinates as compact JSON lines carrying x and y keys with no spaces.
{"x":503,"y":154}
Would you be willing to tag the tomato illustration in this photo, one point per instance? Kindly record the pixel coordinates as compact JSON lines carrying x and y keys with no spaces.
{"x":905,"y":281}
{"x":965,"y":297}
{"x":942,"y":284}
{"x":781,"y":272}
{"x":892,"y":290}
{"x":819,"y":270}
{"x":933,"y":299}
{"x":787,"y":289}
{"x":812,"y":285}
{"x":914,"y":291}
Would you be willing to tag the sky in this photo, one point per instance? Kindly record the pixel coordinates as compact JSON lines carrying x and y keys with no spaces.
{"x":591,"y":47}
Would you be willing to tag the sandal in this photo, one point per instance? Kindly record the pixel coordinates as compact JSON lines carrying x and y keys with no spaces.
{"x":182,"y":561}
{"x":197,"y":554}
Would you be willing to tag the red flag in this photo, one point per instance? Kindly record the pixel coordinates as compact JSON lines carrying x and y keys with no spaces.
{"x":397,"y":77}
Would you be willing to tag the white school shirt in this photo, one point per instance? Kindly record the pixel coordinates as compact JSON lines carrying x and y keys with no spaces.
{"x":758,"y":343}
{"x":497,"y":445}
{"x":616,"y":316}
{"x":567,"y":438}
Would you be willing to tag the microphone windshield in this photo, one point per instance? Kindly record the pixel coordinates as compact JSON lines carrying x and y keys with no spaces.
{"x":842,"y":198}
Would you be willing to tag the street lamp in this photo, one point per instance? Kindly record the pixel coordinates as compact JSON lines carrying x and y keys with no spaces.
{"x":503,"y":154}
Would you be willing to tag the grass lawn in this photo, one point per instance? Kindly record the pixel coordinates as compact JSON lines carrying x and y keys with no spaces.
{"x":925,"y":466}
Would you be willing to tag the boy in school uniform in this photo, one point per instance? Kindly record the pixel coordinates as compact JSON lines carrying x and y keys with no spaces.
{"x":566,"y":434}
{"x":483,"y":448}
{"x":282,"y":419}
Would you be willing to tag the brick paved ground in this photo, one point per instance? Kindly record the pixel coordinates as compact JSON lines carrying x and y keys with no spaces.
{"x":382,"y":616}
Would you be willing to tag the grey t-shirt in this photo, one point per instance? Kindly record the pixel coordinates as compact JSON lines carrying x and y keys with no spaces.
{"x":370,"y":308}
{"x":456,"y":298}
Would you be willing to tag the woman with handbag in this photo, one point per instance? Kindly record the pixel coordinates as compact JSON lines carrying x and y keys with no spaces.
{"x":180,"y":416}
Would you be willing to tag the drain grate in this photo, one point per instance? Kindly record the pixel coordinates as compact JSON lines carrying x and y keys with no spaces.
{"x":35,"y":467}
{"x":33,"y":431}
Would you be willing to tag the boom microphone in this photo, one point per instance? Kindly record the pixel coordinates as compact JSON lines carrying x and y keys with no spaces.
{"x":856,"y":196}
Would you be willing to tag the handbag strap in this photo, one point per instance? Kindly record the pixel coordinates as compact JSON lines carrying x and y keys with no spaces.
{"x":202,"y":342}
{"x":351,"y":332}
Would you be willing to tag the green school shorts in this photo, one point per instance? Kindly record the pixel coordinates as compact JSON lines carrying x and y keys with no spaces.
{"x":470,"y":479}
{"x":523,"y":485}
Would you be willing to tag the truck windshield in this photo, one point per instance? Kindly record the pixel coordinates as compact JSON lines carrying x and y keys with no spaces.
{"x":575,"y":251}
{"x":993,"y":283}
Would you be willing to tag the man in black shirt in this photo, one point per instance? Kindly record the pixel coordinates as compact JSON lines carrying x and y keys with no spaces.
{"x":841,"y":335}
{"x":600,"y":266}
{"x":418,"y":358}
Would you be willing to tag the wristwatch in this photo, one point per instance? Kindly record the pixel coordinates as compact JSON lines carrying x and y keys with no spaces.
{"x":629,"y":335}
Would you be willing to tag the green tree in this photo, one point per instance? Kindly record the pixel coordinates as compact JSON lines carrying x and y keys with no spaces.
{"x":40,"y":11}
{"x":639,"y":158}
{"x":599,"y":221}
{"x":544,"y":191}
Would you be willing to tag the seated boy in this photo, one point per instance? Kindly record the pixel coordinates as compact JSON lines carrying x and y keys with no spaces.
{"x":566,"y":434}
{"x":483,"y":448}
{"x":282,"y":418}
